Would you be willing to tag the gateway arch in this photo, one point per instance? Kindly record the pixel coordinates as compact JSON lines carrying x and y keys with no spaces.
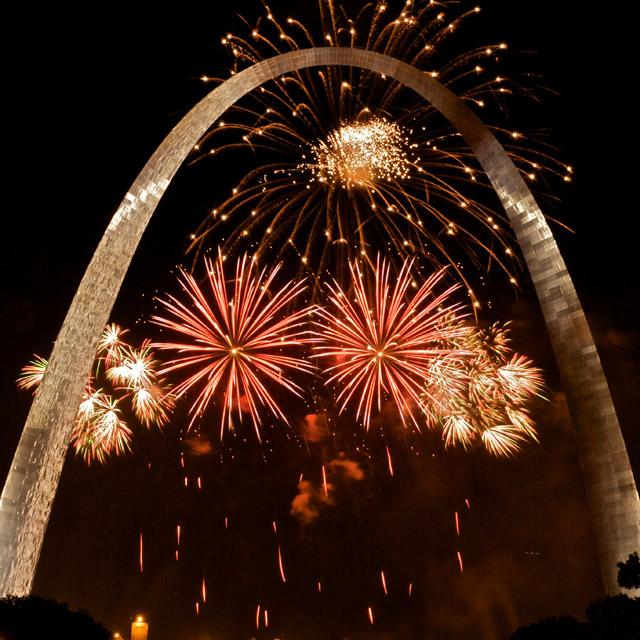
{"x":33,"y":478}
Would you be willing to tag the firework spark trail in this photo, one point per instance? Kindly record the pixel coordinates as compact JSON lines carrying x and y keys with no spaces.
{"x":280,"y":565}
{"x":385,"y":342}
{"x":235,"y":342}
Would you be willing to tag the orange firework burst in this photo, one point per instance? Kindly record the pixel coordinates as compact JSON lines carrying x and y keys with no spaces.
{"x":348,"y":159}
{"x":384,"y":340}
{"x":235,"y":338}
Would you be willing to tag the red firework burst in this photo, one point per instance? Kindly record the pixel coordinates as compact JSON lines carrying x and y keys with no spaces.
{"x":384,"y":339}
{"x":234,"y":338}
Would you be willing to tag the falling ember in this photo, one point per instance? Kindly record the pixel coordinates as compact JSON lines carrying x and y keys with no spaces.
{"x":266,"y":618}
{"x":178,"y":534}
{"x":141,"y":567}
{"x":204,"y":591}
{"x":186,"y":481}
{"x":389,"y":459}
{"x":226,"y":523}
{"x":199,"y":482}
{"x":280,"y":565}
{"x":275,"y":530}
{"x":460,"y":562}
{"x":176,"y":555}
{"x":258,"y":617}
{"x":182,"y":462}
{"x":384,"y":583}
{"x":197,"y":608}
{"x":324,"y":482}
{"x":468,"y":505}
{"x":410,"y":587}
{"x":319,"y":586}
{"x":457,"y":524}
{"x":371,"y":615}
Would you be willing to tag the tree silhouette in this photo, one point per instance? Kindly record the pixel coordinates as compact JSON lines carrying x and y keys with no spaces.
{"x":36,"y":618}
{"x":629,"y":572}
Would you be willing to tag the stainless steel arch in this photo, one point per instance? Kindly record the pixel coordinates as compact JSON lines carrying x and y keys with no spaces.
{"x":33,"y":479}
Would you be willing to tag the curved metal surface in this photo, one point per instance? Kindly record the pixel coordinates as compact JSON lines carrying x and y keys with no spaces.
{"x":33,"y":479}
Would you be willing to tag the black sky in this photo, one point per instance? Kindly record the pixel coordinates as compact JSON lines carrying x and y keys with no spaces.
{"x":90,"y":98}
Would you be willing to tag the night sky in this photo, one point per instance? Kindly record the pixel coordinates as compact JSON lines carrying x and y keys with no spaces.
{"x":90,"y":99}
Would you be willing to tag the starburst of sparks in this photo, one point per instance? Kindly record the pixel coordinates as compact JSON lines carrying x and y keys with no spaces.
{"x":111,"y":346}
{"x":383,"y":340}
{"x":234,"y":338}
{"x":362,"y":152}
{"x":32,"y":373}
{"x":99,"y":429}
{"x":493,"y":390}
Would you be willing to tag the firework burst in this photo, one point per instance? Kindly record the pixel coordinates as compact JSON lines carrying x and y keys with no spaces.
{"x":31,"y":375}
{"x":234,"y":340}
{"x":384,"y":339}
{"x":493,"y":389}
{"x":99,"y":430}
{"x":112,"y":346}
{"x":347,"y":158}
